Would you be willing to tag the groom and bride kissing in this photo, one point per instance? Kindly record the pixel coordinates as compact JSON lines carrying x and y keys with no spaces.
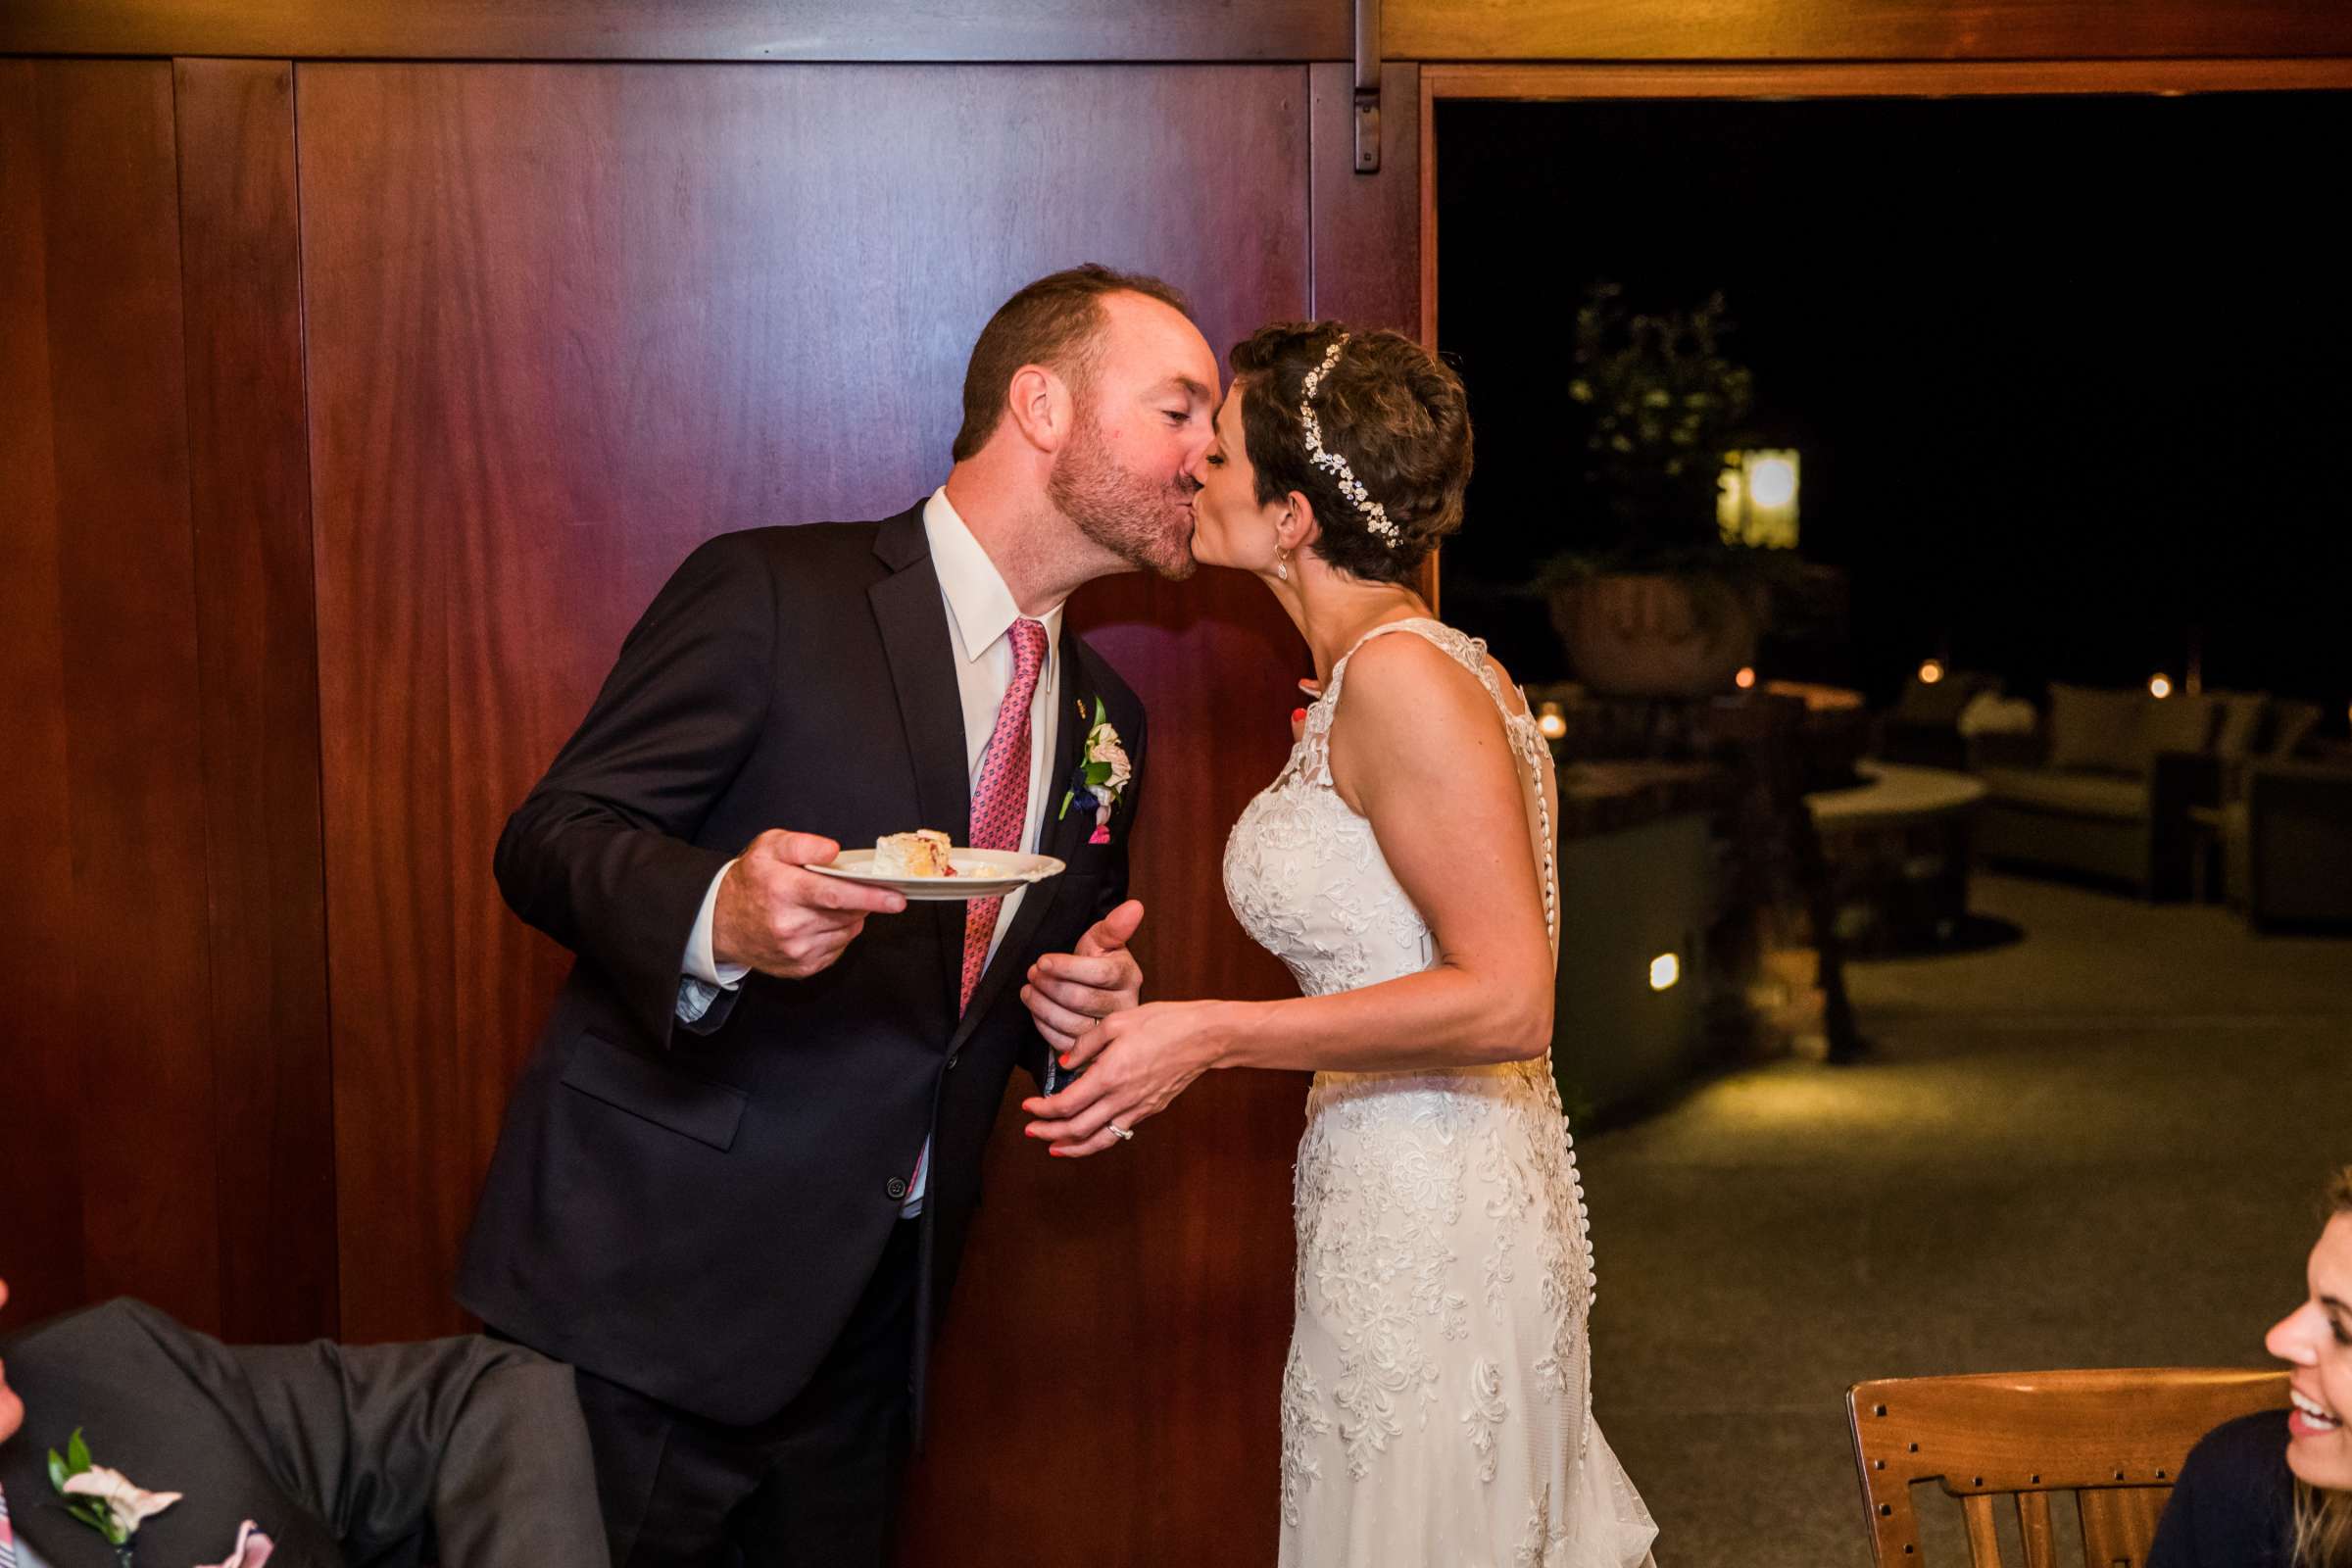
{"x":734,"y":1183}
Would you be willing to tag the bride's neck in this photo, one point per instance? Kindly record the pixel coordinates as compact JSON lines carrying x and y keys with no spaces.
{"x":1333,"y":611}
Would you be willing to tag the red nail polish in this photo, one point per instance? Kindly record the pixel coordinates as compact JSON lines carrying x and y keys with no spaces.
{"x":1063,"y":1058}
{"x":1298,"y":715}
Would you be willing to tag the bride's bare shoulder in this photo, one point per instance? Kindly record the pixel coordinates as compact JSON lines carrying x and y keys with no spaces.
{"x":1401,"y":685}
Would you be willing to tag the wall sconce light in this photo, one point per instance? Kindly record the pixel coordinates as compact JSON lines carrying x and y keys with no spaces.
{"x":2160,"y":684}
{"x":1747,"y":678}
{"x":1931,"y":671}
{"x":1755,"y":500}
{"x":1551,"y":721}
{"x":1664,"y":970}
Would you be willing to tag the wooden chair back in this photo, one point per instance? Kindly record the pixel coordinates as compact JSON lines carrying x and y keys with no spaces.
{"x":2114,"y":1438}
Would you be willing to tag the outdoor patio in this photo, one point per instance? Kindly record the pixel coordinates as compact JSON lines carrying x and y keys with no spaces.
{"x":2100,"y":1145}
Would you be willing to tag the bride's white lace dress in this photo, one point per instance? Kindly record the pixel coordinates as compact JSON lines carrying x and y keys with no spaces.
{"x":1437,"y":1402}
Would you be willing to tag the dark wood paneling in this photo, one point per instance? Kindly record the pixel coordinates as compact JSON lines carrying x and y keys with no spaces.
{"x":40,"y":1119}
{"x":249,"y":499}
{"x":107,"y":763}
{"x":1366,"y":226}
{"x":685,"y":30}
{"x":1180,"y":30}
{"x":1847,"y":30}
{"x":564,"y":321}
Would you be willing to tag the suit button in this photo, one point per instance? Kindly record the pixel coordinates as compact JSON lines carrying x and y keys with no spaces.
{"x":953,"y":1060}
{"x":896,"y":1187}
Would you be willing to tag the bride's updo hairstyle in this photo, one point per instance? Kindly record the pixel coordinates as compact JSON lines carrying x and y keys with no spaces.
{"x":1381,"y":451}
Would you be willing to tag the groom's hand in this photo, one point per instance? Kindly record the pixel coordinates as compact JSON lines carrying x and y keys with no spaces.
{"x":1068,"y":993}
{"x":786,"y":922}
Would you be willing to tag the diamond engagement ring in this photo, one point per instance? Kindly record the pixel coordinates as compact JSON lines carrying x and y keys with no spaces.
{"x":1121,"y":1133}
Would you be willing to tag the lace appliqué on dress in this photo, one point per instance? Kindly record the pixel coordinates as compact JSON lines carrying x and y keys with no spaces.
{"x":1440,"y":1222}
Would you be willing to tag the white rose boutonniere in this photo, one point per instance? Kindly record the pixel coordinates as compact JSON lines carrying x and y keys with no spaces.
{"x":104,"y":1499}
{"x":1103,"y":774}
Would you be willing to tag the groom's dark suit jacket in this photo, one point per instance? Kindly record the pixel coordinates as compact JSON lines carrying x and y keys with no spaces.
{"x":455,"y":1452}
{"x":691,"y":1211}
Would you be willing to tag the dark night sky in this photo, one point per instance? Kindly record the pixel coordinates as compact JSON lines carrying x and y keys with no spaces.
{"x":2068,"y":376}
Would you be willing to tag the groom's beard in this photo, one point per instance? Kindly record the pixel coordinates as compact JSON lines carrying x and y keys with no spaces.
{"x":1139,"y":519}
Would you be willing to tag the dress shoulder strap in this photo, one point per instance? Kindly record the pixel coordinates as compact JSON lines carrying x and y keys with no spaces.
{"x":1538,"y":779}
{"x":1465,"y":650}
{"x":1468,"y":650}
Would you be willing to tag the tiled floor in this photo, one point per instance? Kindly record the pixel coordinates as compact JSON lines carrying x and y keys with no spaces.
{"x":2100,"y":1145}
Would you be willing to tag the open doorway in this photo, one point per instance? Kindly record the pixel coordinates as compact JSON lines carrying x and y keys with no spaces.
{"x":2055,"y":358}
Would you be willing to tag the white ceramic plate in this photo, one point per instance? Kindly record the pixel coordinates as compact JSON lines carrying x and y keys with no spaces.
{"x":979,"y":873}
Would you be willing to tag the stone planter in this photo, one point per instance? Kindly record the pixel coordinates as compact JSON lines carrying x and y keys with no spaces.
{"x":1658,"y":634}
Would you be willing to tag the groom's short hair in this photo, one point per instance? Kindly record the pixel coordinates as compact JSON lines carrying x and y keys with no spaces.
{"x":1056,"y":322}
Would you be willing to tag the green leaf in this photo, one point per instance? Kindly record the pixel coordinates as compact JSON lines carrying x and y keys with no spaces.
{"x":1102,"y":714}
{"x":1066,"y":796}
{"x":78,"y":1452}
{"x":100,"y":1518}
{"x":1097,"y":774}
{"x":57,"y":1473}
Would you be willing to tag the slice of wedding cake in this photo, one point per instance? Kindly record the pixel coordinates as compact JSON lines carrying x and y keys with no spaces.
{"x":923,"y":853}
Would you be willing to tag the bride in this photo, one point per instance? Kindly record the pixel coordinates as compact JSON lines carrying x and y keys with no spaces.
{"x":1437,"y":1402}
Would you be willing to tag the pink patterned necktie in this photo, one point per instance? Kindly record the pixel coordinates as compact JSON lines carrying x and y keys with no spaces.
{"x":1001,"y":800}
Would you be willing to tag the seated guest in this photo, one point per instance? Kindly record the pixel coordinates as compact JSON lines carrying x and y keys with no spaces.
{"x":2274,"y":1489}
{"x":459,"y":1451}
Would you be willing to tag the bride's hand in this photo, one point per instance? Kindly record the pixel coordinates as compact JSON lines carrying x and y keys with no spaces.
{"x":1137,"y":1063}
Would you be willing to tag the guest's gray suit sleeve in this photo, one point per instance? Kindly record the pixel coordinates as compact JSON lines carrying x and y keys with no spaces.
{"x":483,"y":1440}
{"x":345,"y":1455}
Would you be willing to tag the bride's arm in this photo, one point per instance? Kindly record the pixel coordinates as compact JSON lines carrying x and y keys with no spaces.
{"x":1419,"y":748}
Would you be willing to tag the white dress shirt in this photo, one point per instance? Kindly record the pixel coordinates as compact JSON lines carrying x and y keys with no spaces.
{"x":980,"y":614}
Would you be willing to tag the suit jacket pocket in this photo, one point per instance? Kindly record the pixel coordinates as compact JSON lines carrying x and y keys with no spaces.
{"x":694,"y":1108}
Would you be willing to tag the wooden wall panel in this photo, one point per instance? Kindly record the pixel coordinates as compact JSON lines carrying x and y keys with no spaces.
{"x":1849,"y":29}
{"x":250,"y":500}
{"x":109,"y":1027}
{"x":565,"y":322}
{"x":1367,"y":226}
{"x":40,"y":1125}
{"x":684,"y":29}
{"x":1072,"y":31}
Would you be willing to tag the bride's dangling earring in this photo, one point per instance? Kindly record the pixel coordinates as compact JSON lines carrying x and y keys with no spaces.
{"x":1282,"y":565}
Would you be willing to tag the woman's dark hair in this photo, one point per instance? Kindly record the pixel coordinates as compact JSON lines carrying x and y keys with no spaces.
{"x":1390,"y":408}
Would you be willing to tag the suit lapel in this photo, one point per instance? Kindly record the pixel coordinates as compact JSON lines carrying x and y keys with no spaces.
{"x":914,"y":624}
{"x":1057,"y":836}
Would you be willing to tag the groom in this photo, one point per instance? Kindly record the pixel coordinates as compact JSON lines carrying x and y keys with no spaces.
{"x":734,"y":1182}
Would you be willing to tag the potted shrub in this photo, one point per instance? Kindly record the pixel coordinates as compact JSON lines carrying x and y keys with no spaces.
{"x":1653,"y":600}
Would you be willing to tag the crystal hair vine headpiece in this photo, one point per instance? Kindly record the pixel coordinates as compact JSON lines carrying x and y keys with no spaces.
{"x":1375,"y":516}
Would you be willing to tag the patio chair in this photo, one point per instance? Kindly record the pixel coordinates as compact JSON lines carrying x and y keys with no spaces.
{"x":2287,"y":834}
{"x":2114,"y":1438}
